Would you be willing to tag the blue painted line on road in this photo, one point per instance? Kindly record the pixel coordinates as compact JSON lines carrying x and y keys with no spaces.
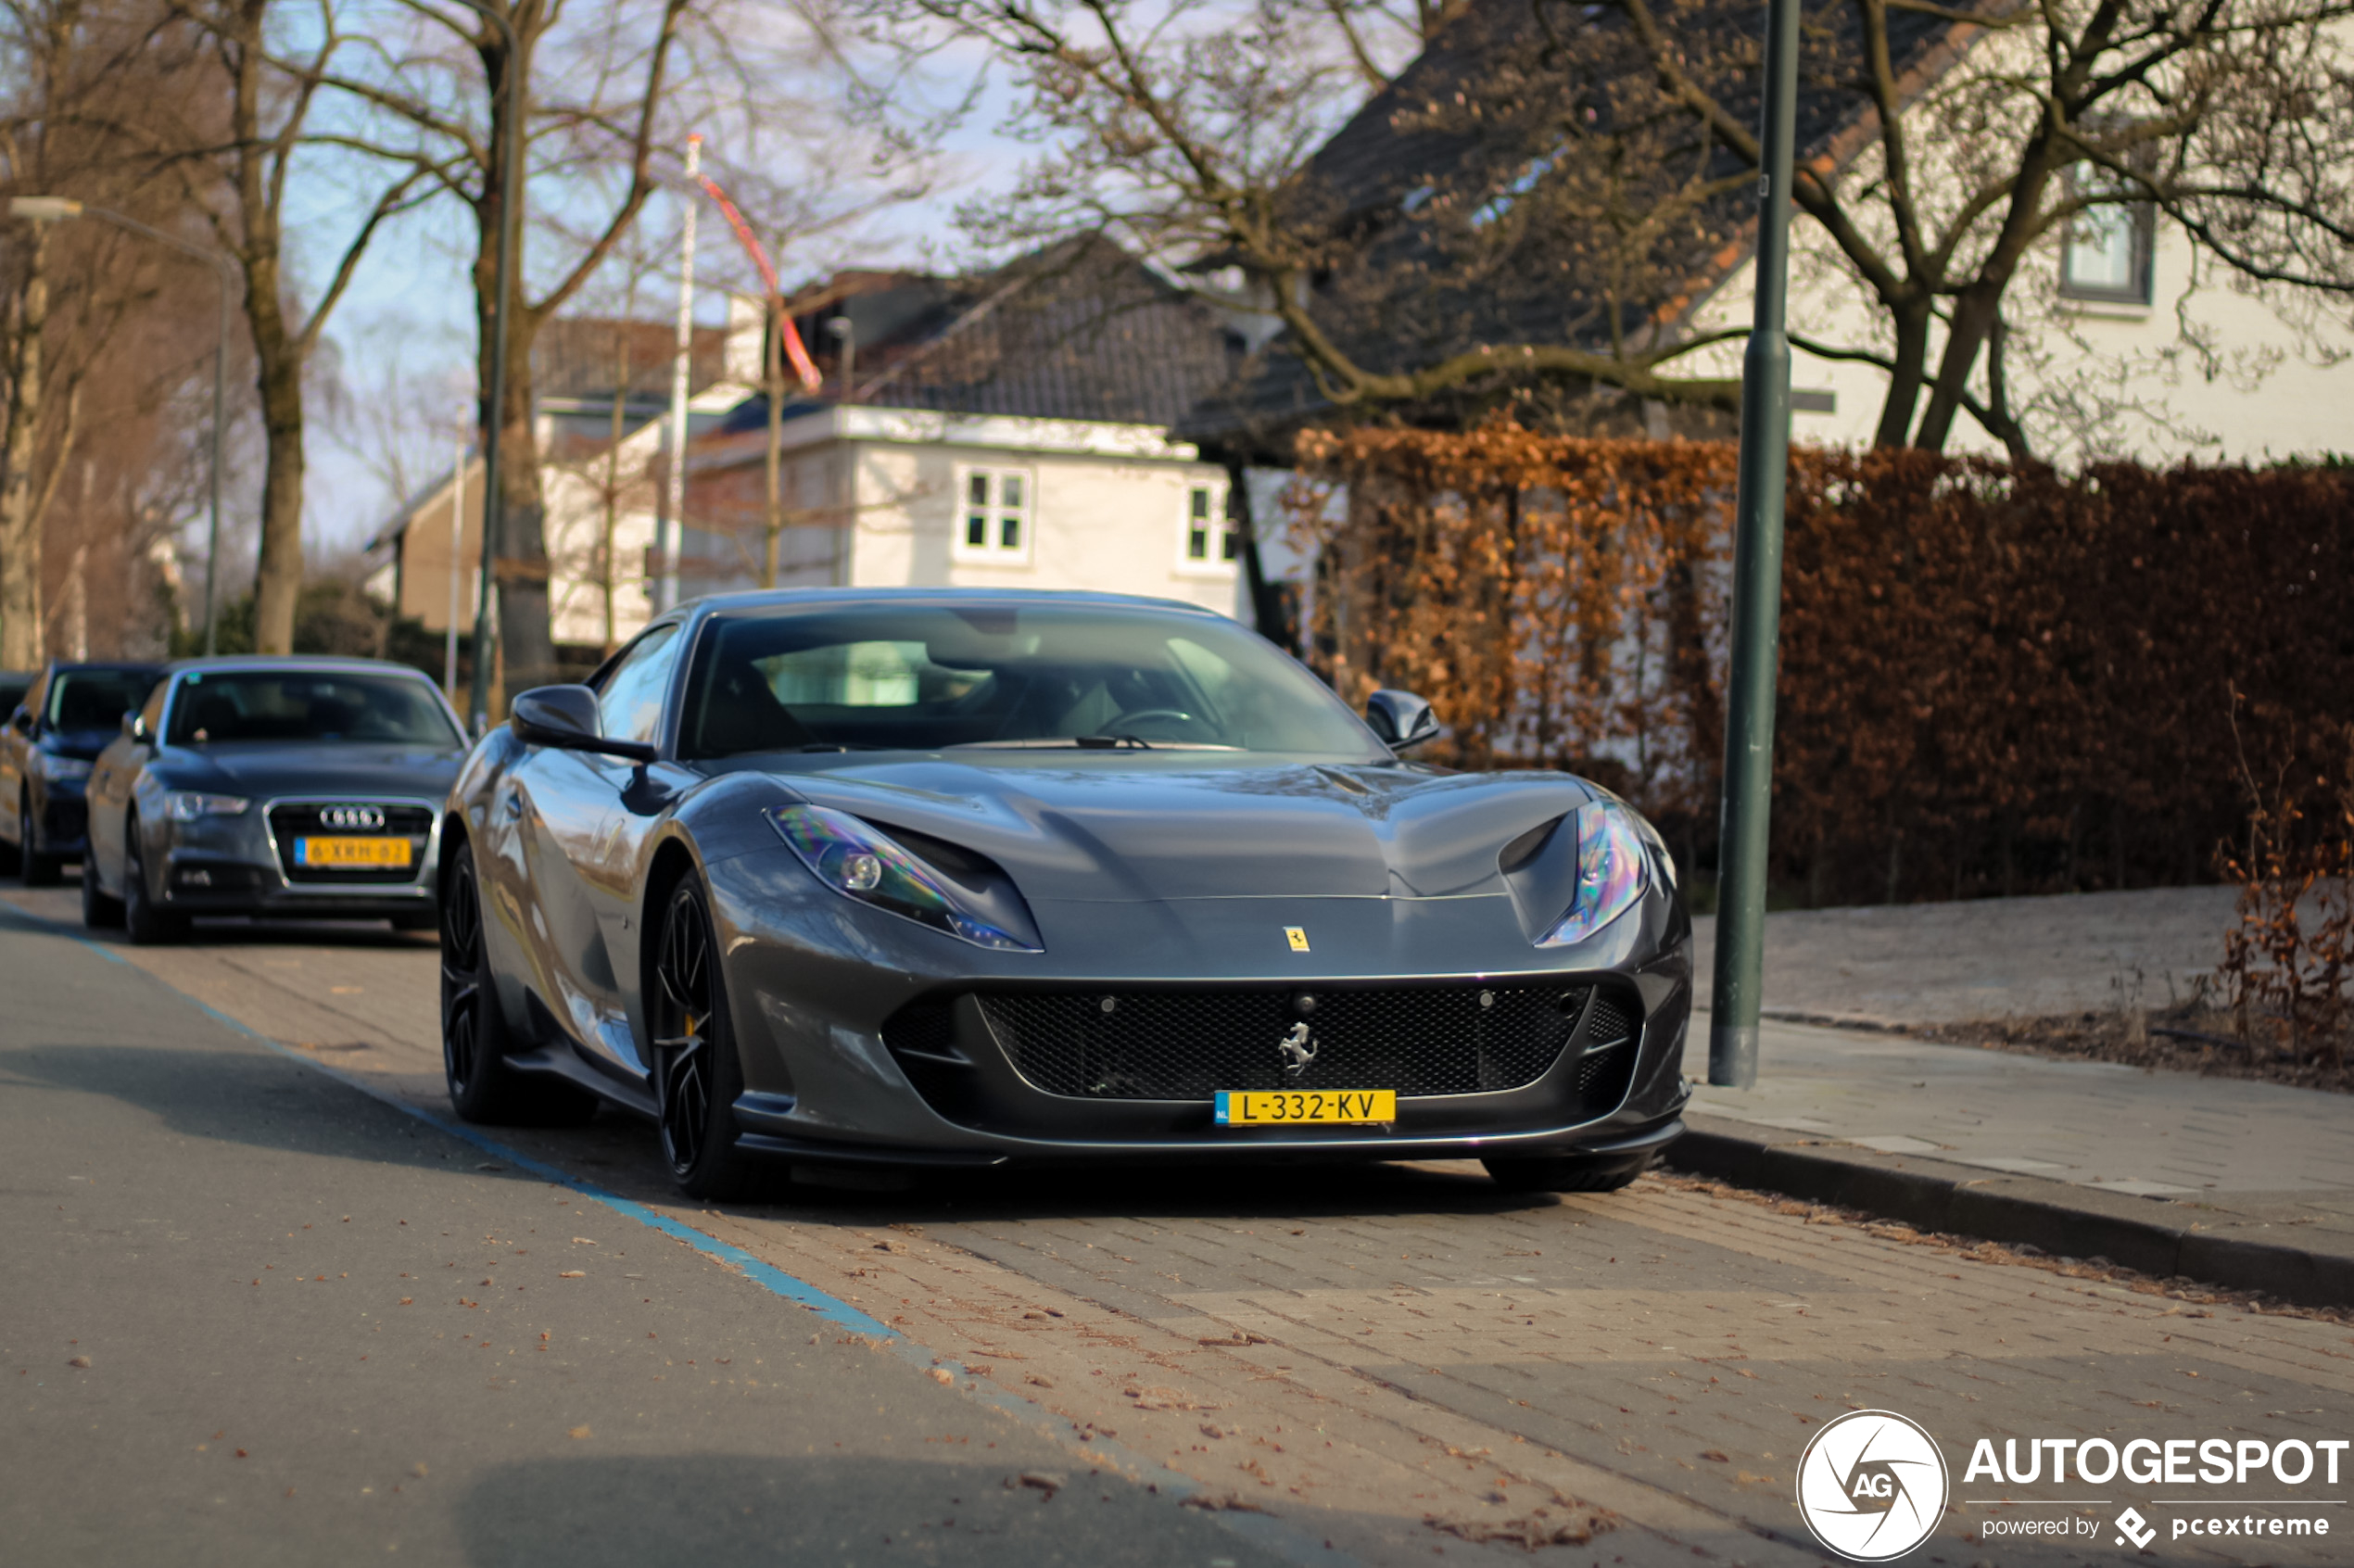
{"x":1265,"y":1531}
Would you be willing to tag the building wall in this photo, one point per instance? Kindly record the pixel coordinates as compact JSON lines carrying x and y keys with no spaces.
{"x":877,"y":497}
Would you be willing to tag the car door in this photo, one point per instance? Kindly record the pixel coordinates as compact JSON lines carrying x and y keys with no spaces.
{"x":577,"y":836}
{"x":16,"y":755}
{"x":112,"y":778}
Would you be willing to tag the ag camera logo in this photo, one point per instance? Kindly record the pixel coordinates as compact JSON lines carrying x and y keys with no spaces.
{"x":1872,"y":1485}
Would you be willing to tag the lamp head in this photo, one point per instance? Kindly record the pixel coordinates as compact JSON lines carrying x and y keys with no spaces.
{"x":43,"y":209}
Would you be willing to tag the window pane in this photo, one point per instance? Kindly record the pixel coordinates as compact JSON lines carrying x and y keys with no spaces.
{"x":1009,"y":533}
{"x":1232,"y":546}
{"x":1009,"y":492}
{"x":1201,"y":502}
{"x":1197,"y":543}
{"x":977,"y":490}
{"x":630,"y":706}
{"x":2100,"y":249}
{"x":977,"y":530}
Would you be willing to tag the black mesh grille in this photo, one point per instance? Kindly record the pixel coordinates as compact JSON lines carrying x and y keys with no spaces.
{"x":1614,"y":1019}
{"x":294,"y":822}
{"x":1188,"y":1045}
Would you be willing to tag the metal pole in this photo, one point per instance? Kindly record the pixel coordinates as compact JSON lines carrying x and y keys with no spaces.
{"x":670,"y":528}
{"x":1757,"y":586}
{"x":495,"y":411}
{"x":457,"y":576}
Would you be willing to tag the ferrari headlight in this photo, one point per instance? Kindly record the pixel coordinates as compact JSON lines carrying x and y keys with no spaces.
{"x":187,"y":805}
{"x":858,"y":861}
{"x":60,"y":770}
{"x":1612,"y":872}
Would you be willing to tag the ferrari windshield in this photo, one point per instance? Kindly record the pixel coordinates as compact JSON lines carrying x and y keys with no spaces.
{"x":214,"y":706}
{"x":1044,"y":675}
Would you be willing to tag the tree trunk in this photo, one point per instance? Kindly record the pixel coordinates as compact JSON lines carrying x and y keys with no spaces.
{"x":278,"y":375}
{"x":516,"y":517}
{"x":1910,"y":366}
{"x":21,"y":643}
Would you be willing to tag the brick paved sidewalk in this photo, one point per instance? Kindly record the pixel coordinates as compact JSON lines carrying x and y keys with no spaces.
{"x":2261,"y":1163}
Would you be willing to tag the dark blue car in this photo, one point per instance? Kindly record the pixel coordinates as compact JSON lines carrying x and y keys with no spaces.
{"x":62,"y":724}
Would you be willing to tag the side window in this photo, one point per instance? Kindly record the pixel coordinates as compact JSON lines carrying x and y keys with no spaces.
{"x":629,"y":705}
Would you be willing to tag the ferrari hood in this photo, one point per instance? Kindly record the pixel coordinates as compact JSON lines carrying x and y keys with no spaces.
{"x":1124,"y":827}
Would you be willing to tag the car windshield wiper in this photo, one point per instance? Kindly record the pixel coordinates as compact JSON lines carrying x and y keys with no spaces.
{"x":1110,"y":742}
{"x":839,"y":746}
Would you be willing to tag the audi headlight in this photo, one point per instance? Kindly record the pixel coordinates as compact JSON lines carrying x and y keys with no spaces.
{"x":859,"y":862}
{"x":59,"y":769}
{"x":1612,"y":872}
{"x":187,"y":805}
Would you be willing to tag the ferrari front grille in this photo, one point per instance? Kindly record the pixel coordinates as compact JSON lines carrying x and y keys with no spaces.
{"x":1417,"y":1039}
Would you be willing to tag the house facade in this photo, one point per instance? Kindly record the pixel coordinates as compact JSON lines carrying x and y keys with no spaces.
{"x":1010,"y":430}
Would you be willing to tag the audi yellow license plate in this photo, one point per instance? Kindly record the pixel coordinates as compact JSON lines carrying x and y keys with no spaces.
{"x":366,"y":854}
{"x":1281,"y":1107}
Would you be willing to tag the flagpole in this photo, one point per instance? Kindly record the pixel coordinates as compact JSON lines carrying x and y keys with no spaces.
{"x":670,"y":528}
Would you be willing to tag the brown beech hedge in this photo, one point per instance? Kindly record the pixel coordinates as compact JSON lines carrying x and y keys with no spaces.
{"x":1994,"y":678}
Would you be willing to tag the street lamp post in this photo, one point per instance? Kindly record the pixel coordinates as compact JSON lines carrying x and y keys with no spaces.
{"x":1758,"y":586}
{"x":494,"y":416}
{"x":50,"y":210}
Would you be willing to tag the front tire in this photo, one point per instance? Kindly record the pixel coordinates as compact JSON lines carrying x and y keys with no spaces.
{"x":1562,"y":1174}
{"x":101,"y":911}
{"x":148,"y":926}
{"x":697,"y":1073}
{"x":474,"y":1039}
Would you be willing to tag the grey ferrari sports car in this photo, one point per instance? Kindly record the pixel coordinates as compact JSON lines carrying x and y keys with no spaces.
{"x":910,"y":878}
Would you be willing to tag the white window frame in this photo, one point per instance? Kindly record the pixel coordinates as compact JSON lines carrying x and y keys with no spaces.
{"x":1223,"y":547}
{"x":995,"y":513}
{"x":2135,"y":223}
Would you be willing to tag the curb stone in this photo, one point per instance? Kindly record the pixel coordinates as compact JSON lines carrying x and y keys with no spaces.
{"x":2203,"y":1240}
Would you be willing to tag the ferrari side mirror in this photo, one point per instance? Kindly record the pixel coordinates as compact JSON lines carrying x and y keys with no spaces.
{"x":1401,"y":718}
{"x":566,"y":717}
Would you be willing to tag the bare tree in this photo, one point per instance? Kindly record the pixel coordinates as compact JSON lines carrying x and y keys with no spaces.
{"x":240,"y":179}
{"x":85,"y":95}
{"x":1547,"y":192}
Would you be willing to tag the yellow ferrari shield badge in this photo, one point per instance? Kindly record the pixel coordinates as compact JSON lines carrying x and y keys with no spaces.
{"x":1298,"y":937}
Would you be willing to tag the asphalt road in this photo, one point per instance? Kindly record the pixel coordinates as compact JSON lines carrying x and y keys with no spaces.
{"x":1403,"y":1362}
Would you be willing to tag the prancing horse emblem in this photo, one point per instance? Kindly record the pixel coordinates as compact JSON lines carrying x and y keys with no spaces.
{"x":1298,"y":1048}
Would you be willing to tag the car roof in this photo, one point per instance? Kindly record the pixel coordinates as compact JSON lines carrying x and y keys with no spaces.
{"x":323,"y":663}
{"x":781,"y":598}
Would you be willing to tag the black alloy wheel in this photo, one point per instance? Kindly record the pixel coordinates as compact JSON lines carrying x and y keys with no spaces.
{"x":696,"y":1076}
{"x":148,"y":926}
{"x":36,"y":866}
{"x":101,"y":911}
{"x":483,"y":1086}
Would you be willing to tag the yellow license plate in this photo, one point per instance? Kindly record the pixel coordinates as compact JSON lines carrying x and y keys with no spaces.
{"x":338,"y":852}
{"x":1277,"y":1107}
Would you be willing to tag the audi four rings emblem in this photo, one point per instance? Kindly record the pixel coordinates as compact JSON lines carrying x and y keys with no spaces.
{"x":364,"y":817}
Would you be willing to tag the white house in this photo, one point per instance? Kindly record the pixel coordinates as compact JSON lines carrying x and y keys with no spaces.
{"x":1008,"y":430}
